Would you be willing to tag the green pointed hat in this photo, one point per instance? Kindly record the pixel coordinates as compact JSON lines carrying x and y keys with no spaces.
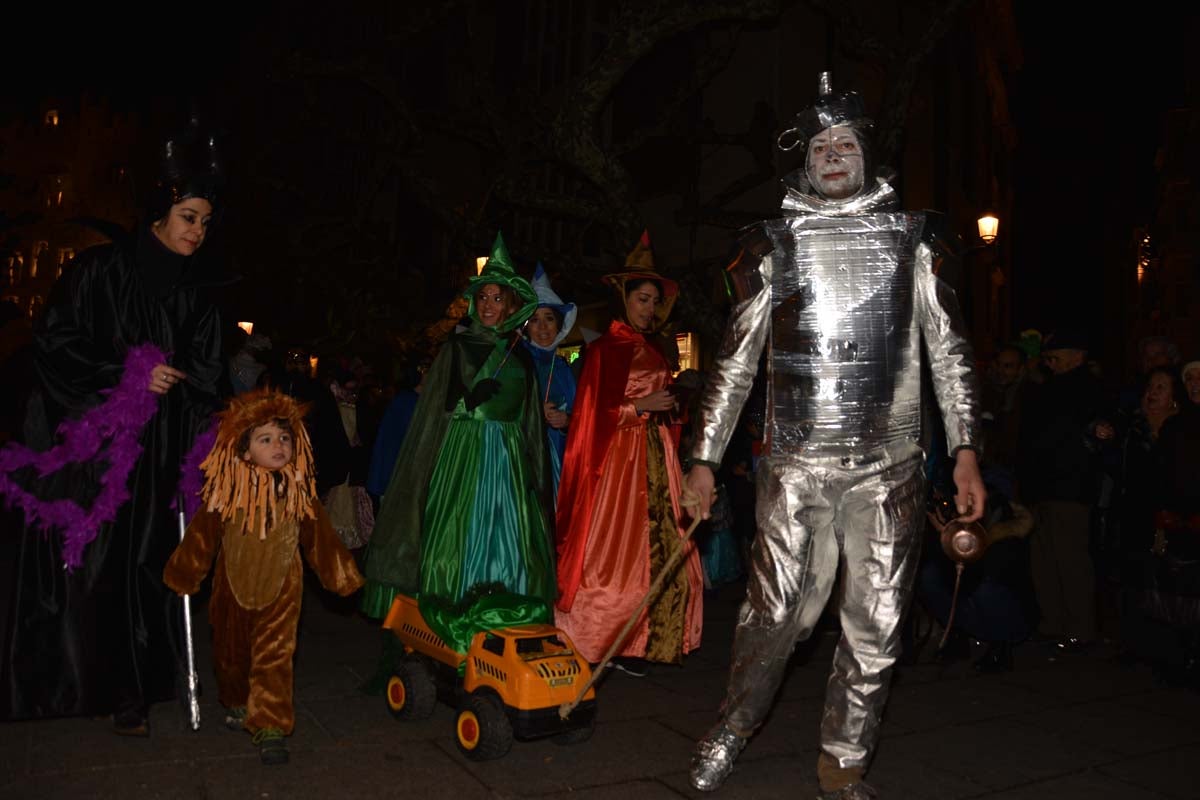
{"x":499,"y":270}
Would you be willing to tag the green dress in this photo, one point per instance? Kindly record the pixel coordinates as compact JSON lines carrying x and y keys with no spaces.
{"x":467,"y":506}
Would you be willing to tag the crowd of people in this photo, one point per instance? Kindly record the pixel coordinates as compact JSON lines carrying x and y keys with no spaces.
{"x":444,"y":488}
{"x":1093,"y":495}
{"x":501,"y":481}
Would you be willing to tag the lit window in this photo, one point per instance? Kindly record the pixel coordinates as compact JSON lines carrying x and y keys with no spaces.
{"x":689,"y":357}
{"x":1143,"y":260}
{"x":56,"y":190}
{"x":65,"y":254}
{"x":38,"y":250}
{"x":51,"y":118}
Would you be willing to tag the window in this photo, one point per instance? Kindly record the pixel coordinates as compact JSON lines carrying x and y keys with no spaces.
{"x":55,"y":188}
{"x":38,"y":249}
{"x":65,"y":254}
{"x":493,"y":644}
{"x":570,"y":353}
{"x":689,"y":356}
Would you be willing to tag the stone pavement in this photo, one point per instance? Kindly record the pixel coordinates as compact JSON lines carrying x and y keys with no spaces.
{"x":1078,"y":727}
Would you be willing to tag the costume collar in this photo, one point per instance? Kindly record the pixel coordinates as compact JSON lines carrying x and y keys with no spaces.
{"x":881,"y":198}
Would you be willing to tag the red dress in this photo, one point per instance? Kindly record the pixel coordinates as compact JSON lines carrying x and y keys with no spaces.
{"x":619,"y":513}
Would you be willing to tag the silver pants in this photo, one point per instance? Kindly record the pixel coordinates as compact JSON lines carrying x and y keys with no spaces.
{"x":817,"y":519}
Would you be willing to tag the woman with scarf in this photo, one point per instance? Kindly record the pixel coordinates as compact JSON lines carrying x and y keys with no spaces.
{"x":101,"y":637}
{"x":548,"y":326}
{"x":619,"y":517}
{"x":464,"y":524}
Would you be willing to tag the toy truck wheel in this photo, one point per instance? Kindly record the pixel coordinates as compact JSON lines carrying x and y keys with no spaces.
{"x":410,"y":692}
{"x":574,"y":736}
{"x":482,"y":729}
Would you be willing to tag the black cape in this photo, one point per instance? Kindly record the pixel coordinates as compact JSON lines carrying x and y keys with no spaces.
{"x":105,"y":637}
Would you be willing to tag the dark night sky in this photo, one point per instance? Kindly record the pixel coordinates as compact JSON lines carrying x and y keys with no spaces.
{"x":134,"y":59}
{"x":1088,"y":105}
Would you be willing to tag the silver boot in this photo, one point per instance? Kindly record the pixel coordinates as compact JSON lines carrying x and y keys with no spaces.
{"x":713,"y":760}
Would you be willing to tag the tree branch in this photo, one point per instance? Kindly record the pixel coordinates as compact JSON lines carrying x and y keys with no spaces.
{"x":904,"y":79}
{"x":638,"y":29}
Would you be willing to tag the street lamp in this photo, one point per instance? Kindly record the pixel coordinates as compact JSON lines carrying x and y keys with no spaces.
{"x":479,"y":262}
{"x":989,"y":227}
{"x":248,"y":327}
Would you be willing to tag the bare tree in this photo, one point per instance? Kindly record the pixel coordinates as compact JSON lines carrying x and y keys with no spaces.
{"x":431,"y":130}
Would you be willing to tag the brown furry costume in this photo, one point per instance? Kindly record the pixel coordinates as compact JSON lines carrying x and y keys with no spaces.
{"x":255,"y":522}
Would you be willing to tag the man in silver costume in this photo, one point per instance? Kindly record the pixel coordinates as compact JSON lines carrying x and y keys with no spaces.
{"x":841,"y":292}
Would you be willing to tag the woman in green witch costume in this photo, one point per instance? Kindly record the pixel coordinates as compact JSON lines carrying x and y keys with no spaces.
{"x":464,"y":522}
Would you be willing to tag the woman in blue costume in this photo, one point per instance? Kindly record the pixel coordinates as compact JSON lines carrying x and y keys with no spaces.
{"x":468,"y":504}
{"x":548,"y":326}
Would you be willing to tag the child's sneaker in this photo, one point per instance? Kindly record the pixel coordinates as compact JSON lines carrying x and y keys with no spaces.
{"x":271,"y":746}
{"x":235,"y":718}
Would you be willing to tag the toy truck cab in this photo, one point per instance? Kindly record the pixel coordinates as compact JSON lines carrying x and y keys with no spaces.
{"x":509,"y":684}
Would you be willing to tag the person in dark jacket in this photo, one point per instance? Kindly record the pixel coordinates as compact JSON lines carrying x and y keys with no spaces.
{"x":102,"y":638}
{"x":1059,"y":479}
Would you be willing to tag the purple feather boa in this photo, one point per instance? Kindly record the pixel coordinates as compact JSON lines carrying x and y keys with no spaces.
{"x":119,"y":421}
{"x":191,"y":478}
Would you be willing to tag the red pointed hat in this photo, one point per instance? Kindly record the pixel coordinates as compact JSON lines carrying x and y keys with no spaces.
{"x":640,"y":266}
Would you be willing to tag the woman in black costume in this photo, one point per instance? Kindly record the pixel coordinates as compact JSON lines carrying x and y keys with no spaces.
{"x":102,"y":638}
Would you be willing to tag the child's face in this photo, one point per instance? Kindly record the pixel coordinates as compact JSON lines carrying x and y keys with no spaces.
{"x":270,"y":447}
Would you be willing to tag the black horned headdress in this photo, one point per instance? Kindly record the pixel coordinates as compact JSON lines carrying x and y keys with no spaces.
{"x":189,"y":166}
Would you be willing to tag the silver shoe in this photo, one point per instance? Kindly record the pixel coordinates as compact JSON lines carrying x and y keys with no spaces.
{"x":713,"y":760}
{"x":855,"y":791}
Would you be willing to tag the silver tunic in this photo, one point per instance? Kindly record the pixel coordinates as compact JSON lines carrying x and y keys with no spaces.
{"x":841,"y":303}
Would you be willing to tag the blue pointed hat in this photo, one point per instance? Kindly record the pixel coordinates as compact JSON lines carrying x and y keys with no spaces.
{"x":549,"y":299}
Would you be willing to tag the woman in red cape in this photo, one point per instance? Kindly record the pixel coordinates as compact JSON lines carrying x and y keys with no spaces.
{"x":618,"y":507}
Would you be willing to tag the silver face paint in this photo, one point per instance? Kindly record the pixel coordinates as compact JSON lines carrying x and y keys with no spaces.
{"x":835,"y":163}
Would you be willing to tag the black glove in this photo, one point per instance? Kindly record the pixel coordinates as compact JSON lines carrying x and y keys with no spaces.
{"x":481,"y":392}
{"x":453,"y":392}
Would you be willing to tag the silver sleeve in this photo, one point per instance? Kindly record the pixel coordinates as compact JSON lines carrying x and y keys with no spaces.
{"x":951,"y":357}
{"x":733,"y":372}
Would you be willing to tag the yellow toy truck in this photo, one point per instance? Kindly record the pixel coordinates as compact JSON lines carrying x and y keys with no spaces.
{"x":509,"y":684}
